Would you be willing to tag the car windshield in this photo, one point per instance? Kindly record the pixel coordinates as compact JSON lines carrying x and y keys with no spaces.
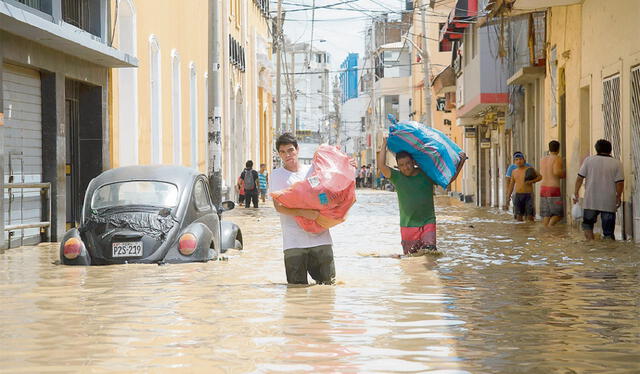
{"x":154,"y":193}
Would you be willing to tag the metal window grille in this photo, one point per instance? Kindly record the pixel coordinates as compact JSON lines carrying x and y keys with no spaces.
{"x":635,"y":139}
{"x":77,"y":13}
{"x":36,"y":4}
{"x":611,"y":112}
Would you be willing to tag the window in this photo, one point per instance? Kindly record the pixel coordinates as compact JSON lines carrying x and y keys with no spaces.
{"x":41,"y":5}
{"x":193,"y":113}
{"x":201,"y":196}
{"x":83,"y":14}
{"x":176,"y":107}
{"x":151,"y":193}
{"x":156,"y":97}
{"x":611,"y":112}
{"x":635,"y":143}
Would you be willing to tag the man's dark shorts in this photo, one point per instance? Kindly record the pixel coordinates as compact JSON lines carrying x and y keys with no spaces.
{"x":589,"y":218}
{"x":523,"y":205}
{"x":317,"y":261}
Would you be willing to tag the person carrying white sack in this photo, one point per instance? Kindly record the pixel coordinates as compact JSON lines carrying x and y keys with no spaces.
{"x":603,"y":190}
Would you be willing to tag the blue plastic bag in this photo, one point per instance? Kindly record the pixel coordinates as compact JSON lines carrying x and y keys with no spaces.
{"x":436,"y":154}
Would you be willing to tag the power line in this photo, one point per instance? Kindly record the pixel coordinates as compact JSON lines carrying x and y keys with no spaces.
{"x":345,"y":70}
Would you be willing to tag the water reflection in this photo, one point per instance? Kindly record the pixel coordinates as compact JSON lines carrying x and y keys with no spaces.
{"x":506,"y":297}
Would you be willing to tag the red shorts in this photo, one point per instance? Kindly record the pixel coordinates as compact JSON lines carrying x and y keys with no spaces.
{"x":415,"y":238}
{"x":548,"y":191}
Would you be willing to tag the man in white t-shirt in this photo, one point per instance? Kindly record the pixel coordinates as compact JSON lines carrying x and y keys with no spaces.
{"x":304,"y":252}
{"x":603,"y":190}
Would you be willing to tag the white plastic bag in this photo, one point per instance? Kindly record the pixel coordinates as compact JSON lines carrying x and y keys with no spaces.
{"x":576,"y":211}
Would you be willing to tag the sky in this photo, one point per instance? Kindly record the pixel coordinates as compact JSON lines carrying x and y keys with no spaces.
{"x":341,"y":25}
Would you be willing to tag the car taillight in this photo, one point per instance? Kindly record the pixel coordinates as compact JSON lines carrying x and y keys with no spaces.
{"x":187,"y":244}
{"x":72,"y":248}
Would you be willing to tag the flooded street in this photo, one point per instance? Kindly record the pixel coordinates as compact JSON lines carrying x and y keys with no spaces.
{"x":505,"y":297}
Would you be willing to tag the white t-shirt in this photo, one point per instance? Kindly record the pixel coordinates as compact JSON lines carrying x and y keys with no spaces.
{"x":293,"y":236}
{"x":602,"y":174}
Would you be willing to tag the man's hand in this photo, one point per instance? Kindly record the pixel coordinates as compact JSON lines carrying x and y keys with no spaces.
{"x":576,"y":198}
{"x":309,"y":214}
{"x":618,"y":201}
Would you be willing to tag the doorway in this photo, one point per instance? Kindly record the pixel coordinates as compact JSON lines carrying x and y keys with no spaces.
{"x":562,"y":132}
{"x":84,"y":139}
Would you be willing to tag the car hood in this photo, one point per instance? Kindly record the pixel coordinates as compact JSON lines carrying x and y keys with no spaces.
{"x":147,"y":223}
{"x":100,"y":231}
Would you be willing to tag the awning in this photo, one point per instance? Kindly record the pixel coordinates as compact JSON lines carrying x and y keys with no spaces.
{"x":461,"y":17}
{"x":445,"y":81}
{"x":526,"y":75}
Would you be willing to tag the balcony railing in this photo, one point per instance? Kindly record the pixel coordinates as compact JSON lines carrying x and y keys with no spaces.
{"x":84,"y":14}
{"x":41,"y":5}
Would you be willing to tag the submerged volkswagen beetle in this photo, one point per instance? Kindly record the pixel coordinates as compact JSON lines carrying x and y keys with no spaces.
{"x":149,"y":214}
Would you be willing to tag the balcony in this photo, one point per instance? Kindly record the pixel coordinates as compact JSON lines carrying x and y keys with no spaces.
{"x":481,"y":85}
{"x":75,"y":27}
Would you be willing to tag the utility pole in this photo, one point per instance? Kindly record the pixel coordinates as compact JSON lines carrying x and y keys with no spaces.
{"x":426,"y":116}
{"x":374,"y":113}
{"x":279,"y":40}
{"x":214,"y":119}
{"x":292,"y":91}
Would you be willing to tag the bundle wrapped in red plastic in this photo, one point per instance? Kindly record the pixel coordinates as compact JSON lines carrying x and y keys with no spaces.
{"x":330,"y":188}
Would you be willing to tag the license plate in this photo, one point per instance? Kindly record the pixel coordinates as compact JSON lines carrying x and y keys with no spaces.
{"x":127,"y":249}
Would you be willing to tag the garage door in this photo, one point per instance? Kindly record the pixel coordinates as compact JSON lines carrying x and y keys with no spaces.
{"x":23,"y":149}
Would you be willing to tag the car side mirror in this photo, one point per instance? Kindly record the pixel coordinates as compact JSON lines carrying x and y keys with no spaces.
{"x":227,"y":205}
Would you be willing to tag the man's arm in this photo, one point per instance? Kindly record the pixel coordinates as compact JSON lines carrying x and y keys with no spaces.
{"x":306,"y":213}
{"x":510,"y":185}
{"x":576,"y":191}
{"x":240,"y":180}
{"x":381,"y":160}
{"x":463,"y":158}
{"x":619,"y":190}
{"x":536,"y":180}
{"x":257,"y":181}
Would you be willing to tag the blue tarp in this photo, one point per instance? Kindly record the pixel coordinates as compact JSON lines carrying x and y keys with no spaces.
{"x":436,"y":154}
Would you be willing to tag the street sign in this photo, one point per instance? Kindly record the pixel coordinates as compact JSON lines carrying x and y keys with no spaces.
{"x":469,"y":132}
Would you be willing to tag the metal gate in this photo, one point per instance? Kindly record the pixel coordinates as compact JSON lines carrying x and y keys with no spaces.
{"x":611,"y":112}
{"x":72,"y":116}
{"x":23,"y":151}
{"x":635,"y":148}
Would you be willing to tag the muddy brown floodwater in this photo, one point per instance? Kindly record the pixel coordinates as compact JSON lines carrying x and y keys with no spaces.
{"x":506,"y":297}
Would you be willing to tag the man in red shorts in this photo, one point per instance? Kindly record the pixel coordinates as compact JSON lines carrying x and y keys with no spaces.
{"x":552,"y":171}
{"x":415,"y":198}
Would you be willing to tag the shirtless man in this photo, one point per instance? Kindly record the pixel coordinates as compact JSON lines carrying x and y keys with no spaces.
{"x":551,"y":204}
{"x":523,"y":201}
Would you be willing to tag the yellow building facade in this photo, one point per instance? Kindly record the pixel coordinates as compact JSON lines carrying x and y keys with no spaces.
{"x":159,"y":110}
{"x":246,"y":98}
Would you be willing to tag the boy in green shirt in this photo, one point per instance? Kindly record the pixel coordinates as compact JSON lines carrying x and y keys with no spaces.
{"x":415,"y":198}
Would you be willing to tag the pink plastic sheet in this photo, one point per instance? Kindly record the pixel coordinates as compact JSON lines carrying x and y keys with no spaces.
{"x":329,"y":188}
